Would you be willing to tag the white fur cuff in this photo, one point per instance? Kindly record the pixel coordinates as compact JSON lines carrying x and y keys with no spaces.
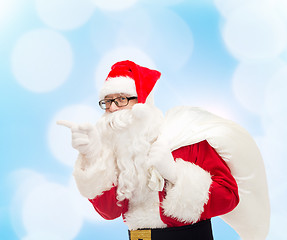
{"x":93,"y":180}
{"x":185,"y":200}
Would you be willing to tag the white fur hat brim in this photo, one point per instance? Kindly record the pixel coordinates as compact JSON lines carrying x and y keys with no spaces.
{"x":120,"y":84}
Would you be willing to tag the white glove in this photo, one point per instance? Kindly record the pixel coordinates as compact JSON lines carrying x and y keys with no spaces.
{"x":160,"y":158}
{"x":85,"y":137}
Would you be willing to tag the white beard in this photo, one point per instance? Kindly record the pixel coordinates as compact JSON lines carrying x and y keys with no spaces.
{"x":128,"y":134}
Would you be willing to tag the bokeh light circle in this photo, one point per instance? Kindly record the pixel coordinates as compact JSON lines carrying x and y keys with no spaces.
{"x":128,"y":28}
{"x":42,"y":60}
{"x":170,"y":44}
{"x":42,"y":236}
{"x":163,"y":2}
{"x":114,"y":5}
{"x":276,"y":97}
{"x":280,"y":6}
{"x":46,"y":210}
{"x":249,"y":83}
{"x":23,"y":180}
{"x":64,"y":14}
{"x":42,"y":209}
{"x":226,"y":7}
{"x":255,"y":33}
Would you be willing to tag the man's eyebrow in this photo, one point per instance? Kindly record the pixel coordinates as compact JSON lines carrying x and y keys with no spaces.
{"x":108,"y":98}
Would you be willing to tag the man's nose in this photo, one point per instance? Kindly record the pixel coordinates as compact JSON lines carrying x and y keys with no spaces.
{"x":113,"y":107}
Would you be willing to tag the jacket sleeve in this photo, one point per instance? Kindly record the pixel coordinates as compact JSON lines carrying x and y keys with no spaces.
{"x":204,"y":188}
{"x":223,"y":192}
{"x":107,"y":205}
{"x":95,"y":176}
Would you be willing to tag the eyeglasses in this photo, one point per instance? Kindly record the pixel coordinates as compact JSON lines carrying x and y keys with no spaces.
{"x":119,"y":101}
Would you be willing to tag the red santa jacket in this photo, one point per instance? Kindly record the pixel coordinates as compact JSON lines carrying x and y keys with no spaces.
{"x":188,"y":201}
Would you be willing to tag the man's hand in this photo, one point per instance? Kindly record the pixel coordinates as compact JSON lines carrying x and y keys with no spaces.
{"x":161,"y":158}
{"x":85,"y":137}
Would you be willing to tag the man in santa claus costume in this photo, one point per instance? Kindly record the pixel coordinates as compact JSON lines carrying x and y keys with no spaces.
{"x":167,"y":176}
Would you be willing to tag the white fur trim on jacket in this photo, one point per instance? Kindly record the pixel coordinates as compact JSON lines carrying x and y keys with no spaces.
{"x":118,"y":85}
{"x":144,"y":211}
{"x":94,"y":179}
{"x":185,"y":200}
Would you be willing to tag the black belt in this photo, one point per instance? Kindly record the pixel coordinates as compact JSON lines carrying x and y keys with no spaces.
{"x":197,"y":231}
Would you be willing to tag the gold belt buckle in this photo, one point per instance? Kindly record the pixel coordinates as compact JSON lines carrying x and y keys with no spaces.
{"x":140,"y":234}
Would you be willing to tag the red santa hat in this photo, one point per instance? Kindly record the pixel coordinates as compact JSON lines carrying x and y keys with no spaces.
{"x":130,"y":78}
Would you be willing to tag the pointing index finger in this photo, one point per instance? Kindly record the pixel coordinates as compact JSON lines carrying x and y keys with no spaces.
{"x":66,"y":123}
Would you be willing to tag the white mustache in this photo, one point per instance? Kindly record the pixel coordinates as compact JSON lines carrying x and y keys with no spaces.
{"x":119,"y":120}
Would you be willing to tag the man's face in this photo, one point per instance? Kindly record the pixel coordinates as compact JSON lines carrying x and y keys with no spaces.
{"x":119,"y":97}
